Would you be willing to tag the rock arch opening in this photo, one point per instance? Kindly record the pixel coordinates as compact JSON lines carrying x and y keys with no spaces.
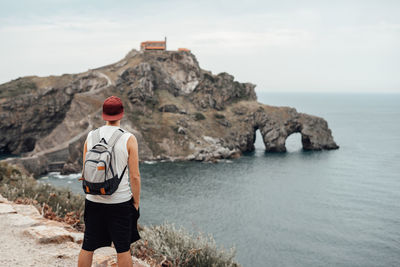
{"x":293,"y":142}
{"x":258,"y":140}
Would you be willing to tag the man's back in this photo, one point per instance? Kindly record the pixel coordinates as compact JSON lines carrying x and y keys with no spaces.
{"x":123,"y":192}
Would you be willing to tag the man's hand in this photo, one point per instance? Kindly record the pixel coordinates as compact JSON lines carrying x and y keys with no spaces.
{"x":136,"y":205}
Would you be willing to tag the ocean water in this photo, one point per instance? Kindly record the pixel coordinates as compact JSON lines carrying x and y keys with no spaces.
{"x":299,"y":208}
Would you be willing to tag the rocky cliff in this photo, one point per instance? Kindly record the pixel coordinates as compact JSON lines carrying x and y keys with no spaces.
{"x":176,"y":110}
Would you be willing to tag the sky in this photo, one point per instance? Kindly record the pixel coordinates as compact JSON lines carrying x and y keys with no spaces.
{"x":281,"y":46}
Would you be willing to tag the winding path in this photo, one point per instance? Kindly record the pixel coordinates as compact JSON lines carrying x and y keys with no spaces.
{"x":65,"y":145}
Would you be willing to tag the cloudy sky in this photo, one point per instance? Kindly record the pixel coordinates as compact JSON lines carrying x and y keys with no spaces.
{"x":291,"y":46}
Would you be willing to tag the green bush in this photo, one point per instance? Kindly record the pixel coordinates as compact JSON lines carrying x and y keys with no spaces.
{"x":181,"y":248}
{"x":199,"y":116}
{"x":219,"y":116}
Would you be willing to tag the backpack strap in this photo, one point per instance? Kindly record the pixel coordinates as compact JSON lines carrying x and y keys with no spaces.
{"x":113,"y":139}
{"x":123,"y":172}
{"x":96,"y":136}
{"x":115,"y":136}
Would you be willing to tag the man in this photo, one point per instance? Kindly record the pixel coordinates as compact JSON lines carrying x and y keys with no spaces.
{"x":113,"y":218}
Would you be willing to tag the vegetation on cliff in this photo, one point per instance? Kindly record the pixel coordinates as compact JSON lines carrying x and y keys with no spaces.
{"x":53,"y":203}
{"x":17,"y":87}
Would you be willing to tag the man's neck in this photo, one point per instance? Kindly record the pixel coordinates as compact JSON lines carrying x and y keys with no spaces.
{"x":117,"y":123}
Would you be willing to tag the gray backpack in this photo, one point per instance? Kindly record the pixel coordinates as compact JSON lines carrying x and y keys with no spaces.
{"x":99,"y":174}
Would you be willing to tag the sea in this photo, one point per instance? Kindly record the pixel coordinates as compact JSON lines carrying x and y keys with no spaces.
{"x":299,"y":208}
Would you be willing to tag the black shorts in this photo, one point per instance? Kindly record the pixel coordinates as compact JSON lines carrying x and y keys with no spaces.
{"x":106,"y":223}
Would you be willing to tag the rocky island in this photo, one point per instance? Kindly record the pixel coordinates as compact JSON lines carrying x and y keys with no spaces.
{"x":176,"y":110}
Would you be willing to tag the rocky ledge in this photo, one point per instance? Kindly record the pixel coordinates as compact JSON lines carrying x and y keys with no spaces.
{"x":176,"y":110}
{"x":43,"y":242}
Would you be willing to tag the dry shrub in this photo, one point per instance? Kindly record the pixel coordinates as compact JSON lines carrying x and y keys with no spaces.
{"x":169,"y":246}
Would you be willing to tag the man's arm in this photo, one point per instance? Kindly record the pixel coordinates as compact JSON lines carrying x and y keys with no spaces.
{"x":84,"y":155}
{"x":134,"y":174}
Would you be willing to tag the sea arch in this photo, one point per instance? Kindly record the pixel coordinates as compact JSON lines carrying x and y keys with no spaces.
{"x":279,"y":123}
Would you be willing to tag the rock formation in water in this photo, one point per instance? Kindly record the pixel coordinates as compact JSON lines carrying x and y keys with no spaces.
{"x":176,"y":110}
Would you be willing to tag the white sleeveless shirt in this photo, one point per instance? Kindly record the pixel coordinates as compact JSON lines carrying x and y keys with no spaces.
{"x":123,"y":193}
